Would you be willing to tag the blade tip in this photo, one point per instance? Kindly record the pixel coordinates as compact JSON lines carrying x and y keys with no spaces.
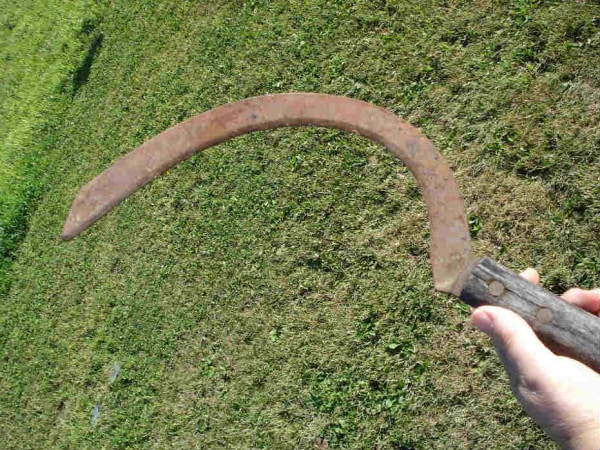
{"x":68,"y":233}
{"x":73,"y":225}
{"x":67,"y":236}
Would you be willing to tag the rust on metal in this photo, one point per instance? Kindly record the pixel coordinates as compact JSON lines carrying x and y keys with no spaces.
{"x":451,"y":256}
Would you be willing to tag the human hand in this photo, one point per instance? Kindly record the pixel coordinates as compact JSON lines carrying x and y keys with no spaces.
{"x":562,"y":395}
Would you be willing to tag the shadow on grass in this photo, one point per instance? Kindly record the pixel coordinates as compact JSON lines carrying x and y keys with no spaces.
{"x":82,"y":74}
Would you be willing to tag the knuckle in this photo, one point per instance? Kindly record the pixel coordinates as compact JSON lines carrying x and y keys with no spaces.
{"x":528,"y":386}
{"x":573,"y":293}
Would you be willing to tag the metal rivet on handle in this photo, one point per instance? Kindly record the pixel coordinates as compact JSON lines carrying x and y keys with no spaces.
{"x":544,"y":315}
{"x":496,"y":288}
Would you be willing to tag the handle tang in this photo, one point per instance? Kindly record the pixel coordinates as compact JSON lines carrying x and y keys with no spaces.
{"x":566,"y":329}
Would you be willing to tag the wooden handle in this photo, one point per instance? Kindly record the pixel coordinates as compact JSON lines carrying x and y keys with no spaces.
{"x":566,"y":329}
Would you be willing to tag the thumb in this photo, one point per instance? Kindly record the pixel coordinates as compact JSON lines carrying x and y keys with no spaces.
{"x":517,"y":345}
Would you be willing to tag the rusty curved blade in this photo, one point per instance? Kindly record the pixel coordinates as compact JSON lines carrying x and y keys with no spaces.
{"x":451,"y":254}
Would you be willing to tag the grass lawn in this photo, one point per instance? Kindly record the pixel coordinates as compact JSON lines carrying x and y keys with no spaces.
{"x":275,"y":291}
{"x":42,"y":48}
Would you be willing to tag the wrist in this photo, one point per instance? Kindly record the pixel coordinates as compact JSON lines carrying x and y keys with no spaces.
{"x":588,"y":439}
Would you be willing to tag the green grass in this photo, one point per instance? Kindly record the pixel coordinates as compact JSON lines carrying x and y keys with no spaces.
{"x":276,"y":289}
{"x":41,"y":44}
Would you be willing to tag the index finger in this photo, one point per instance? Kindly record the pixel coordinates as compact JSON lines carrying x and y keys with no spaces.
{"x":588,"y":300}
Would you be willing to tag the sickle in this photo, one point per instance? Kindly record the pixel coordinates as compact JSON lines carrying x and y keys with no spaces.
{"x":450,"y":240}
{"x":566,"y":328}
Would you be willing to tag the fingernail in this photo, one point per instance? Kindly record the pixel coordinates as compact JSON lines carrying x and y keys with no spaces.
{"x":596,"y":291}
{"x":483,"y":320}
{"x":531,"y":274}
